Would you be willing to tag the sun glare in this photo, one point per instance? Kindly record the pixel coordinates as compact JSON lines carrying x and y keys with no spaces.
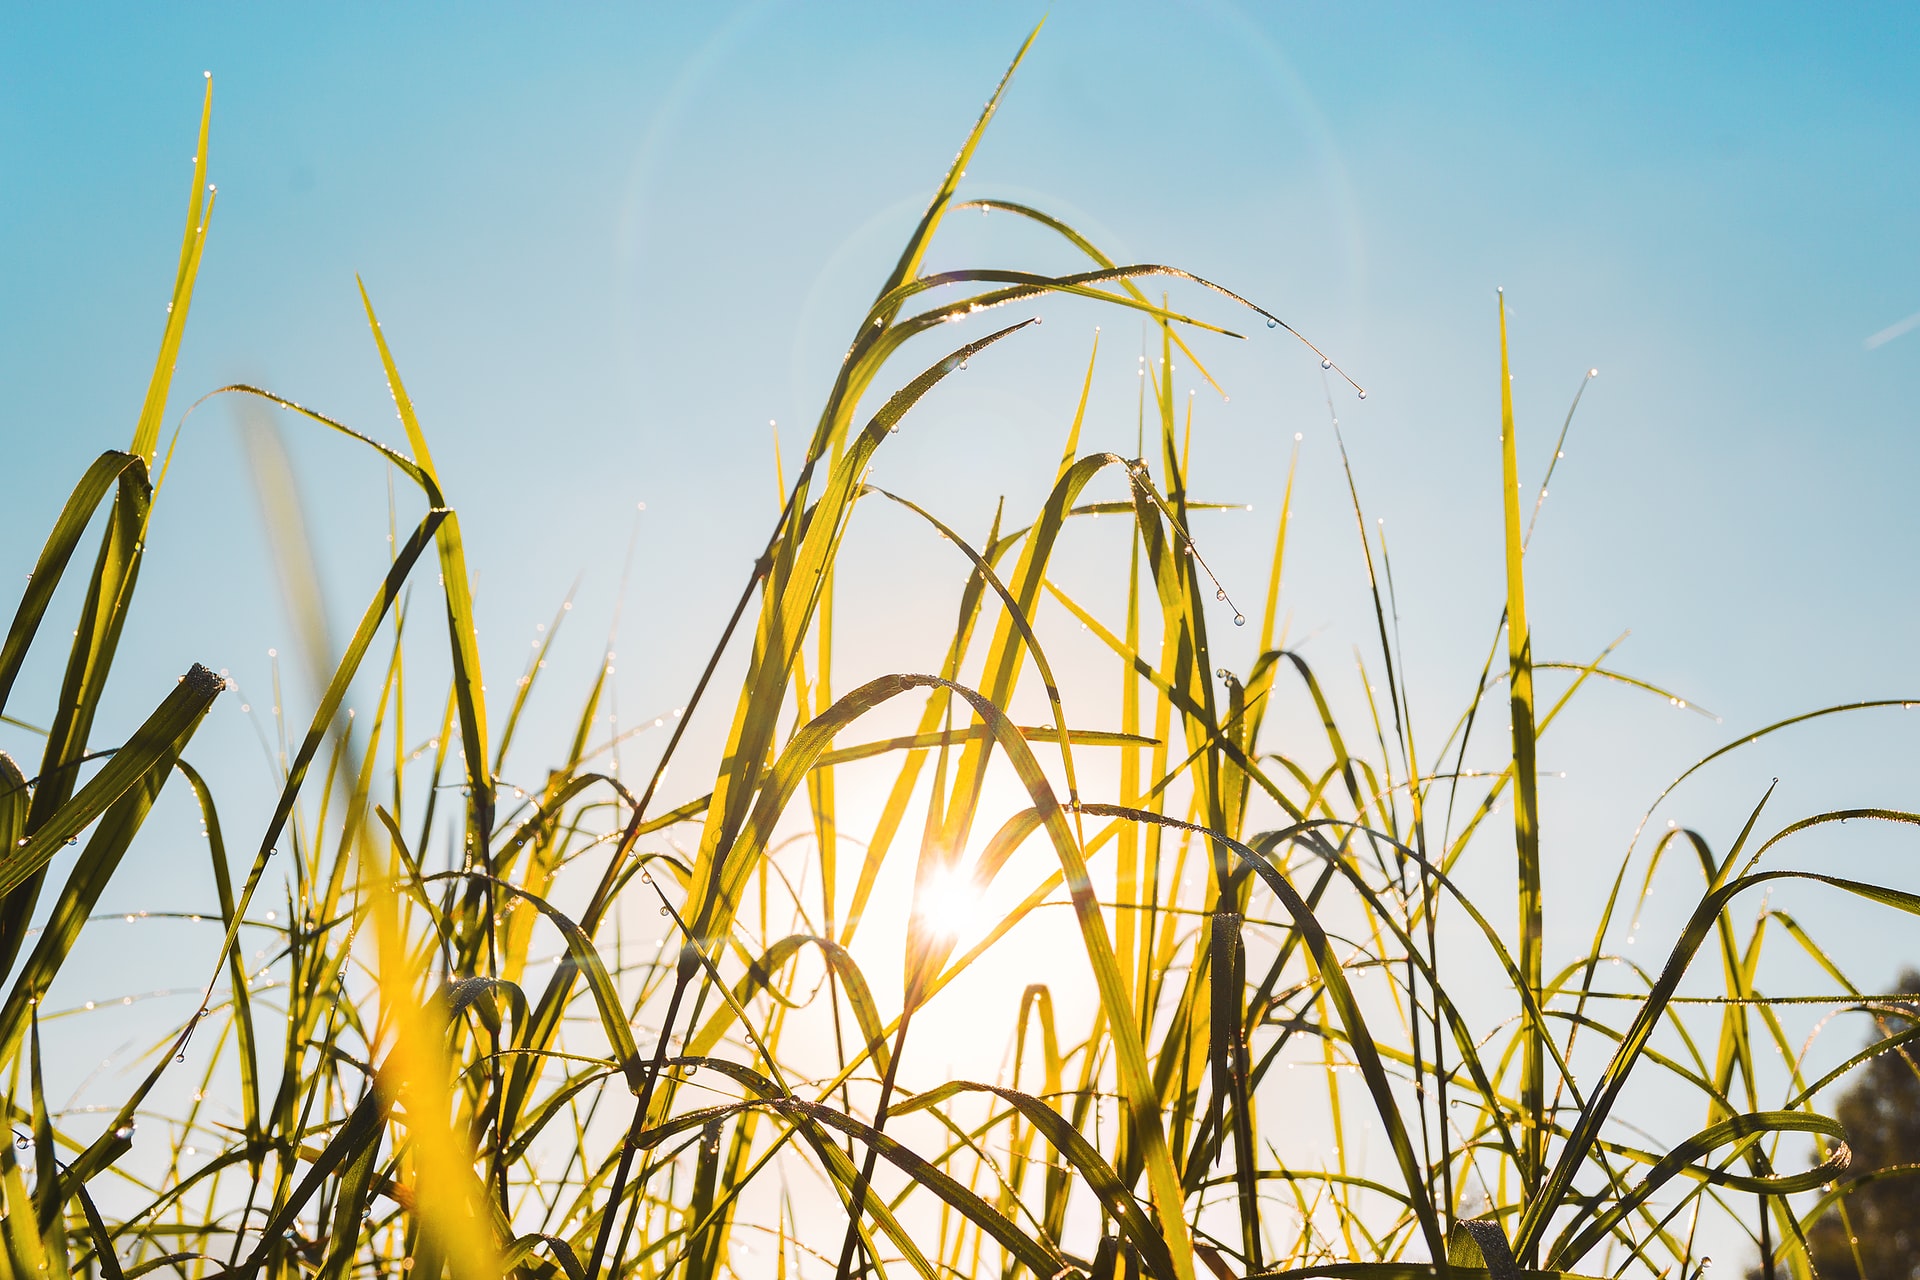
{"x":950,"y":904}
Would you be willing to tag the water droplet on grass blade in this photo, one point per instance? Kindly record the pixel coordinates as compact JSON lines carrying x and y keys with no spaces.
{"x":1220,"y":593}
{"x":1325,"y":363}
{"x":1363,"y":393}
{"x":1239,"y":619}
{"x":1271,"y":322}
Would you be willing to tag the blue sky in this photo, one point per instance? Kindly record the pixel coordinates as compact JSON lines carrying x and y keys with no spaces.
{"x":609,"y":245}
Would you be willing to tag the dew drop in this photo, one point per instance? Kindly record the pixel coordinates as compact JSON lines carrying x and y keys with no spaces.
{"x":1239,"y":619}
{"x":1325,"y":363}
{"x":1363,"y":394}
{"x":125,"y":1131}
{"x":1220,"y":593}
{"x":1271,"y":322}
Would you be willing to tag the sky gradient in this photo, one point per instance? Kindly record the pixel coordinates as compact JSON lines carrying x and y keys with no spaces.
{"x":610,"y":245}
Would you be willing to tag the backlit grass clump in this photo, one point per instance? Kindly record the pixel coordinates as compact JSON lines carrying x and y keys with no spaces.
{"x":449,"y":1065}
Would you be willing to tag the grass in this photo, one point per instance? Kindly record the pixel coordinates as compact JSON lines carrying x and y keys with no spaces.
{"x":457,"y":1061}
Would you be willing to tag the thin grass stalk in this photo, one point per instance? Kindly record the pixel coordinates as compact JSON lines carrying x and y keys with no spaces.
{"x":1526,"y":815}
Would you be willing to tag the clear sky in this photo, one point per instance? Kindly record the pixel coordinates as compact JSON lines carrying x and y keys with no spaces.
{"x":609,"y":245}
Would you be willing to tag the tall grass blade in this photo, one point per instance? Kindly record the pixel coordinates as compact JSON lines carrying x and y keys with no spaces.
{"x":1526,"y":801}
{"x":146,"y":432}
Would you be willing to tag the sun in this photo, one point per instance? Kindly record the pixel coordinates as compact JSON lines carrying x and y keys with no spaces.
{"x":949,"y":904}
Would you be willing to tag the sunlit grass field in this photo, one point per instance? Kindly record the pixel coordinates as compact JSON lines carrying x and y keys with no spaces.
{"x":457,"y":1058}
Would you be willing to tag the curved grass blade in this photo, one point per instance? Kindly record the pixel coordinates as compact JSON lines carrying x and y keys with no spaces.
{"x":94,"y":485}
{"x":1327,"y":968}
{"x":147,"y":755}
{"x":467,"y":680}
{"x":1685,"y":1156}
{"x":785,"y":779}
{"x":1585,"y":1131}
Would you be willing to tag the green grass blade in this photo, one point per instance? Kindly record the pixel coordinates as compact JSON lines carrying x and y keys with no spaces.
{"x":100,"y":477}
{"x":244,"y":1032}
{"x":1741,"y":1129}
{"x":14,"y":799}
{"x":1526,"y":796}
{"x":467,"y":680}
{"x":794,"y":591}
{"x":908,"y":266}
{"x":149,"y":753}
{"x":1584,"y":1133}
{"x":1327,"y":969}
{"x":146,"y":432}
